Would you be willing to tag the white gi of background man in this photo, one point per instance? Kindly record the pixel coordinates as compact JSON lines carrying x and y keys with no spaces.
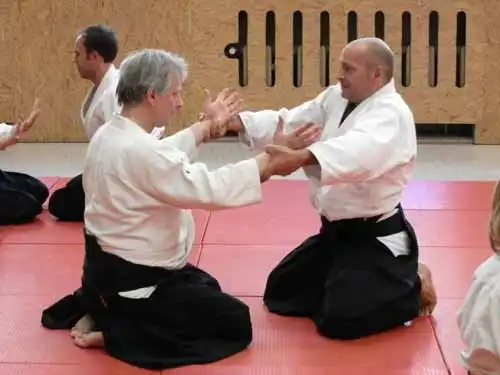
{"x":96,"y":49}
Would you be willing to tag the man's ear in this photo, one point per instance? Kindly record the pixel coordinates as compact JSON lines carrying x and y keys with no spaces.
{"x":151,"y":96}
{"x":92,"y":55}
{"x":378,"y":71}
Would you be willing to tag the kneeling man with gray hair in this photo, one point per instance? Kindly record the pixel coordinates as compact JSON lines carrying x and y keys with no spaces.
{"x":140,"y":299}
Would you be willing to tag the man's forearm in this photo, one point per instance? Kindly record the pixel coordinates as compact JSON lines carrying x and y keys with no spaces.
{"x":307,"y":158}
{"x":235,"y":125}
{"x":201,"y":131}
{"x":263,"y":162}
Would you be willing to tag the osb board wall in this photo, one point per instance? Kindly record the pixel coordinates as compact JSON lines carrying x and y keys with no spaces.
{"x":38,"y":40}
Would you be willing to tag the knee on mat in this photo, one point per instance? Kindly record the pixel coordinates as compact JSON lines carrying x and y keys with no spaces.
{"x":27,"y":210}
{"x":239,"y":321}
{"x":37,"y":189}
{"x":275,"y":288}
{"x":241,"y":311}
{"x":338,"y":325}
{"x":43,"y":192}
{"x":56,"y":203}
{"x":37,"y":210}
{"x":334,"y":326}
{"x":29,"y":213}
{"x":343,"y":323}
{"x":62,"y":208}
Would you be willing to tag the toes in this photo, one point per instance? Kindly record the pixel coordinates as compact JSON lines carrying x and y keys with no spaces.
{"x":79,"y":340}
{"x":88,"y":340}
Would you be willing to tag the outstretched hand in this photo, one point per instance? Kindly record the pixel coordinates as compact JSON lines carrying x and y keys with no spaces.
{"x":21,"y":126}
{"x":283,"y":160}
{"x":302,"y":137}
{"x":225,"y":107}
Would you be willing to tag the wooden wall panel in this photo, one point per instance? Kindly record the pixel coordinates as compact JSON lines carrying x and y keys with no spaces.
{"x":488,"y":131}
{"x":38,"y":40}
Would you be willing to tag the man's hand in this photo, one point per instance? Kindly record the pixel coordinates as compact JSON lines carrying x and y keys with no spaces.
{"x":21,"y":126}
{"x":225,"y":107}
{"x":284,"y":161}
{"x":299,"y":138}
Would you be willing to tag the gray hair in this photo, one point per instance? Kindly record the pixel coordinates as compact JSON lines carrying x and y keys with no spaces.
{"x":379,"y":53}
{"x":148,"y":69}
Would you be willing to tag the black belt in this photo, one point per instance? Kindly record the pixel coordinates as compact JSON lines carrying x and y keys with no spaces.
{"x":365,"y":227}
{"x":110,"y":274}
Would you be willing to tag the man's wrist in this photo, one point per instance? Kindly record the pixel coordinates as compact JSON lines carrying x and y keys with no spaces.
{"x":306,"y":157}
{"x":207,"y":129}
{"x":201,"y":131}
{"x":235,"y":125}
{"x":264,"y":164}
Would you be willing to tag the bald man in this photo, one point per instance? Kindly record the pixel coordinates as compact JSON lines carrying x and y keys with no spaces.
{"x":360,"y":274}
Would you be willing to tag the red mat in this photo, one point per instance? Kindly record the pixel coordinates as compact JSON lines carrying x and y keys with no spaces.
{"x":41,"y":261}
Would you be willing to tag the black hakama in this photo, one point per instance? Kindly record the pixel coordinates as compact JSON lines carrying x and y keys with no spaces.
{"x":187,"y":320}
{"x":21,"y":197}
{"x":68,"y":202}
{"x":349,"y":283}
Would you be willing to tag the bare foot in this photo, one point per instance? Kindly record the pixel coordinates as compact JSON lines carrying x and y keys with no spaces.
{"x":88,"y":340}
{"x":428,"y":292}
{"x":84,"y":325}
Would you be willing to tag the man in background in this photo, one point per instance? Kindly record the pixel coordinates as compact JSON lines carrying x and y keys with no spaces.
{"x":96,"y":49}
{"x":21,"y":196}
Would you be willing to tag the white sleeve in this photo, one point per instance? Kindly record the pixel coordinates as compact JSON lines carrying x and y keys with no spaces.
{"x":170,"y":177}
{"x":184,"y":141}
{"x":5,"y":131}
{"x":377,"y":143}
{"x":479,"y":326}
{"x":261,"y":125}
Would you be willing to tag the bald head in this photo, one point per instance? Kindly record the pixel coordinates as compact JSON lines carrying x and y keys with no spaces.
{"x":366,"y":65}
{"x":378,"y":53}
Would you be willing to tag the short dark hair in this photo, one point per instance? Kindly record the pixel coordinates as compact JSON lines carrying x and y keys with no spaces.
{"x":102,"y":40}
